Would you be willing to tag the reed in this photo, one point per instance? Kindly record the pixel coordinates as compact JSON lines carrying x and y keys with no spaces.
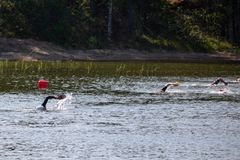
{"x":1,"y":67}
{"x":141,"y":70}
{"x":89,"y":67}
{"x":118,"y":68}
{"x":40,"y":66}
{"x":19,"y":75}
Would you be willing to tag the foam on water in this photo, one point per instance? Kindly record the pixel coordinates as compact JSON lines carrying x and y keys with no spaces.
{"x":39,"y":107}
{"x":222,"y":91}
{"x":61,"y":103}
{"x":121,"y":118}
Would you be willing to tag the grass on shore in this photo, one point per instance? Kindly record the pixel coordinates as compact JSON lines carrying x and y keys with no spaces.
{"x":79,"y":68}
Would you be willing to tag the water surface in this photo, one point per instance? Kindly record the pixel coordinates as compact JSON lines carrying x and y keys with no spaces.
{"x":120,"y":114}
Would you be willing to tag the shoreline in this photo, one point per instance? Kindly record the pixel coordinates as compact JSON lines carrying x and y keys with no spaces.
{"x":32,"y":50}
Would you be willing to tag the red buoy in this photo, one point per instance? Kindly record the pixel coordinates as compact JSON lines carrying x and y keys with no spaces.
{"x":42,"y":84}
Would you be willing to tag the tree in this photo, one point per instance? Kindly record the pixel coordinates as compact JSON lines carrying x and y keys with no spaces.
{"x":110,"y":21}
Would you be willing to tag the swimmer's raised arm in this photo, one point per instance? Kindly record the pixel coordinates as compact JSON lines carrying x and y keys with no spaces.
{"x":165,"y":87}
{"x":43,"y":106}
{"x":46,"y":100}
{"x":218,"y":81}
{"x":168,"y":85}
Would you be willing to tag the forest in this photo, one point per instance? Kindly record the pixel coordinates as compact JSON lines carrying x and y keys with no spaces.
{"x":186,"y":25}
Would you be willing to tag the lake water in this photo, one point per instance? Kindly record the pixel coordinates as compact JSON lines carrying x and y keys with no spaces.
{"x":116,"y":113}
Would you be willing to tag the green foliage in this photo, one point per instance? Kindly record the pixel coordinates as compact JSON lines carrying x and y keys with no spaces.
{"x":216,"y":45}
{"x":236,"y":50}
{"x":163,"y":43}
{"x":11,"y":20}
{"x":93,"y":42}
{"x":46,"y":21}
{"x":93,"y":69}
{"x":168,"y":24}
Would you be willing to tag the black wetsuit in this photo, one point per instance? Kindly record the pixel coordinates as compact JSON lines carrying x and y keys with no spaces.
{"x":165,"y":87}
{"x":46,"y":100}
{"x":218,"y":81}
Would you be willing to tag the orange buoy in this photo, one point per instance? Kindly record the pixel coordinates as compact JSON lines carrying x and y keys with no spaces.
{"x":42,"y":84}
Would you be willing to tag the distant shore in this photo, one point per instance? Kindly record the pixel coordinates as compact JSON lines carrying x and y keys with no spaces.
{"x":32,"y":50}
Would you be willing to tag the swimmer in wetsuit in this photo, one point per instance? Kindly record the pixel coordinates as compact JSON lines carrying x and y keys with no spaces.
{"x":218,"y":81}
{"x":237,"y":80}
{"x":43,"y":106}
{"x":168,"y":85}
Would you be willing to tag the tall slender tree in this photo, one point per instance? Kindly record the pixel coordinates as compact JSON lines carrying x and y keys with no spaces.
{"x":110,"y":21}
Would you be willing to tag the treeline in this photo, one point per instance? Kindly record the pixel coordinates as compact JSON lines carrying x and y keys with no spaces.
{"x":167,"y":24}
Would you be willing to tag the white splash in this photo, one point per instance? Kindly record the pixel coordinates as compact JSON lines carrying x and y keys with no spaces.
{"x":39,"y":108}
{"x":222,"y":91}
{"x":61,"y":103}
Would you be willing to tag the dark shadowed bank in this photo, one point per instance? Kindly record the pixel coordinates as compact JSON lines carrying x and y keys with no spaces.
{"x":32,"y":50}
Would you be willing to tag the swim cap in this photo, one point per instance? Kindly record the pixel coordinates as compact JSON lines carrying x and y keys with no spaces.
{"x":176,"y":83}
{"x":62,"y":96}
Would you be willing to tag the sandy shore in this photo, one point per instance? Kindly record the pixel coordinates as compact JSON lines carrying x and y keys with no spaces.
{"x":32,"y":50}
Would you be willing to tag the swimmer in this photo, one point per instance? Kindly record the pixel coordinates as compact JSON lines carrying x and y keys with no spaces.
{"x":168,"y":85}
{"x":218,"y":81}
{"x":43,"y":106}
{"x":237,"y":80}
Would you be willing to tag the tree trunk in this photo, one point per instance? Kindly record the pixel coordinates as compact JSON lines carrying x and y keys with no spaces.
{"x":234,"y":5}
{"x":110,"y":21}
{"x":237,"y":22}
{"x":130,"y":18}
{"x":231,"y":17}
